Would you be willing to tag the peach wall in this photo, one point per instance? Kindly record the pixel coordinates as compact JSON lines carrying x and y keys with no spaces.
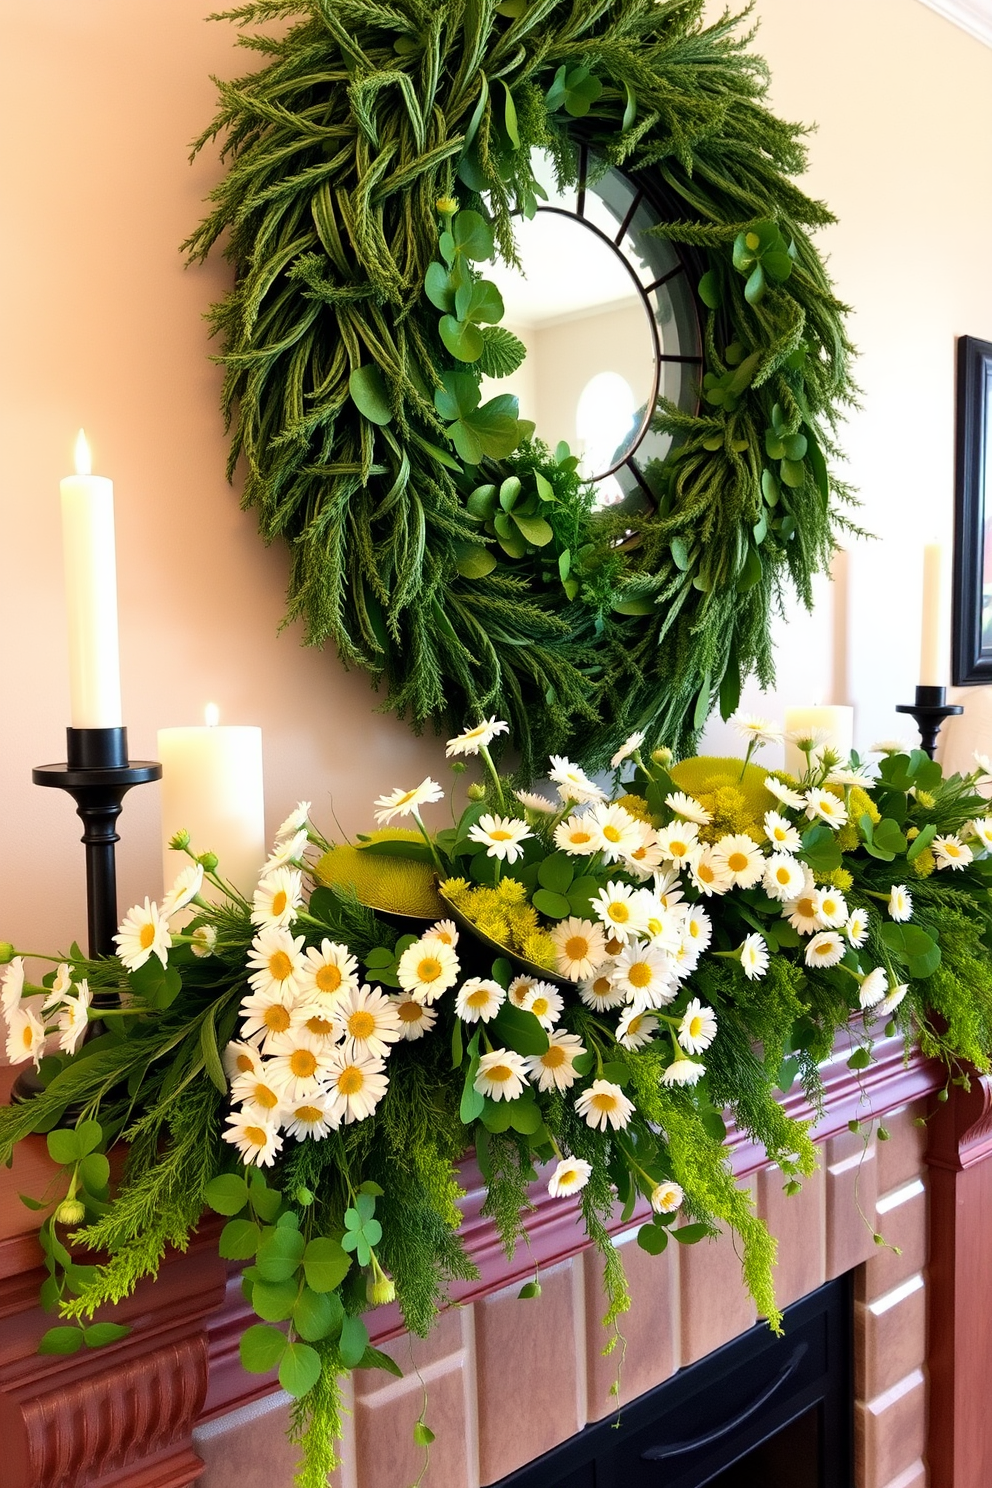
{"x":102,"y":325}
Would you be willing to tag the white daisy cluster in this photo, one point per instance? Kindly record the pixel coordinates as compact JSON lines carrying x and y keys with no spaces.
{"x":30,"y":1020}
{"x":144,"y":932}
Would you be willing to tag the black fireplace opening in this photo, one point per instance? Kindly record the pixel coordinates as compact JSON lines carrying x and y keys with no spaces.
{"x":761,"y":1412}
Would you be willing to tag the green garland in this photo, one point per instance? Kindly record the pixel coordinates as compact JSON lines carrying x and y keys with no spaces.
{"x":356,"y":407}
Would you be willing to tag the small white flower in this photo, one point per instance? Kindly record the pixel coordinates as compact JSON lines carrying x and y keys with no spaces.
{"x":25,"y":1034}
{"x":827,"y":807}
{"x":617,"y":832}
{"x":479,"y":998}
{"x":368,"y":1021}
{"x":572,"y":781}
{"x":288,"y":853}
{"x":576,"y":837}
{"x":900,"y":902}
{"x":846,"y":775}
{"x":757,"y":731}
{"x":502,"y":1075}
{"x":534,"y":801}
{"x":401,"y":802}
{"x":318,"y":1019}
{"x":630,"y":746}
{"x":501,"y":836}
{"x":645,"y":856}
{"x":784,"y":877}
{"x":355,"y":1087}
{"x":636,"y":1029}
{"x":571,"y":1174}
{"x":856,"y":928}
{"x":984,"y":772}
{"x":780,"y":832}
{"x":891,"y":1002}
{"x":807,"y":739}
{"x":708,"y":875}
{"x":890,"y":746}
{"x":802,"y":912}
{"x":277,"y":899}
{"x":259,"y":1093}
{"x":688,"y":808}
{"x":416,"y":1018}
{"x":267,"y":1013}
{"x":785,"y":793}
{"x":13,"y":986}
{"x":618,"y":908}
{"x":874,"y":987}
{"x":295,"y":822}
{"x":186,"y":887}
{"x":981,"y":828}
{"x":73,"y":1019}
{"x":831,"y":907}
{"x":474,"y":739}
{"x":666,"y":1198}
{"x":519,"y":989}
{"x":309,"y":1118}
{"x":445,"y":931}
{"x":604,"y":1104}
{"x":697,"y":928}
{"x":643,"y":973}
{"x":599,"y":993}
{"x":555,"y":1068}
{"x":740,"y":859}
{"x":698,"y":1027}
{"x":545,"y":1003}
{"x":203,"y":941}
{"x":754,"y":957}
{"x":241,"y":1059}
{"x":683,"y":1072}
{"x":428,"y":968}
{"x":679,"y":842}
{"x":299,"y":1064}
{"x":668,"y":888}
{"x":951,"y":852}
{"x":276,"y":963}
{"x":581,"y":947}
{"x":327,"y":973}
{"x":57,"y":993}
{"x":825,"y":949}
{"x":257,"y":1140}
{"x":143,"y":933}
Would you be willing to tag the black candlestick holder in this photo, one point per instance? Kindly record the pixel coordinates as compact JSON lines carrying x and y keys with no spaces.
{"x":930,"y":709}
{"x":97,"y":774}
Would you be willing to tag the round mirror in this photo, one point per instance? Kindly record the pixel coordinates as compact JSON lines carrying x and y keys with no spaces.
{"x":605,"y":309}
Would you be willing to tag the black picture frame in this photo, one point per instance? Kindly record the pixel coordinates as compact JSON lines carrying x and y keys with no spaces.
{"x":971,"y":641}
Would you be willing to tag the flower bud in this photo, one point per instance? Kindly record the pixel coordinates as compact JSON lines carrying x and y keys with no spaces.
{"x":476,"y":792}
{"x":458,"y":767}
{"x":7,"y":952}
{"x":70,"y":1212}
{"x":447,"y":205}
{"x":662,"y":757}
{"x":180,"y":841}
{"x":208,"y":861}
{"x":304,"y":1196}
{"x":381,"y":1291}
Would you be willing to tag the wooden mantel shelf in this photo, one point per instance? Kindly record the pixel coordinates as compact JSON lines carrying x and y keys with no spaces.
{"x":123,"y":1416}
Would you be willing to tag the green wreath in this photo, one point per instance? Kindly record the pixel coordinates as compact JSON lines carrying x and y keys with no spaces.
{"x":376,"y":160}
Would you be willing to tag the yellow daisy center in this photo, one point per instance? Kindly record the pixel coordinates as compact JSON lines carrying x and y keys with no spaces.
{"x":429,"y":969}
{"x":410,"y":1012}
{"x":569,"y":1176}
{"x":604,"y":1101}
{"x":695,"y":1026}
{"x":406,"y":797}
{"x":361,"y":1024}
{"x":320,"y":1026}
{"x":807,"y":909}
{"x":310,"y":1114}
{"x":678,"y":849}
{"x":639,"y":853}
{"x":256,"y":1135}
{"x":612,"y":834}
{"x":266,"y":1097}
{"x":498,"y":835}
{"x":830,"y":906}
{"x":279,"y":902}
{"x":554,"y":1057}
{"x":479,"y":998}
{"x":780,"y":834}
{"x":276,"y":1018}
{"x":350,"y":1080}
{"x":580,"y":838}
{"x":245,"y":1063}
{"x":576,"y":948}
{"x":639,"y":974}
{"x":635,"y":1023}
{"x":303,"y":1064}
{"x":328,"y":978}
{"x":539,"y":1006}
{"x":499,"y":1074}
{"x":444,"y":936}
{"x":737,"y":862}
{"x":705,"y":872}
{"x":280,"y":966}
{"x":601,"y":987}
{"x":695,"y":929}
{"x":28,"y":1037}
{"x":782,"y":875}
{"x":147,"y":936}
{"x":823,"y":949}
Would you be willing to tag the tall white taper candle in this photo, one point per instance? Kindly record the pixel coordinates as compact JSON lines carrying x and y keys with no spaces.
{"x":91,"y":595}
{"x":935,"y":628}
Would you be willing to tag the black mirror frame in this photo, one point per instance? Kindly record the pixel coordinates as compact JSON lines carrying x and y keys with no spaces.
{"x":971,"y":662}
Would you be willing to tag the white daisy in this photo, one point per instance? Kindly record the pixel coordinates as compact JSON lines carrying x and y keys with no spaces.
{"x":474,"y":739}
{"x":445,"y":931}
{"x":572,"y":781}
{"x":981,"y":828}
{"x":617,"y":832}
{"x":401,"y":802}
{"x":698,"y":1027}
{"x":832,"y":908}
{"x":679,"y":841}
{"x":13,"y":986}
{"x":355,"y":1087}
{"x":288,"y":853}
{"x":428,"y":968}
{"x":891,"y":1002}
{"x":534,"y":801}
{"x":277,"y":899}
{"x":688,"y":808}
{"x":571,"y":1174}
{"x":203,"y":941}
{"x":276,"y":963}
{"x":309,"y":1118}
{"x":25,"y":1035}
{"x":984,"y":771}
{"x":415,"y":1017}
{"x":368,"y":1021}
{"x":825,"y":949}
{"x":636,"y":1029}
{"x":785,"y":793}
{"x":754,"y":957}
{"x":827,"y":807}
{"x":740,"y":859}
{"x":545,"y":1003}
{"x":951,"y":852}
{"x":74,"y":1019}
{"x":502,"y":1075}
{"x":240,"y":1058}
{"x":630,"y":746}
{"x":57,"y":993}
{"x":185,"y":888}
{"x":299,"y":1063}
{"x":803,"y":912}
{"x":784,"y":877}
{"x":143,"y":933}
{"x":807,"y":739}
{"x":318,"y":1019}
{"x":780,"y":832}
{"x":900,"y":902}
{"x":554,"y":1069}
{"x":479,"y":998}
{"x":295,"y":822}
{"x":519,"y":989}
{"x":643,"y":973}
{"x":599,"y":993}
{"x":662,"y":926}
{"x":327,"y":972}
{"x":620,"y":910}
{"x":666,"y":1198}
{"x":683,"y":1072}
{"x":259,"y":1092}
{"x":646,"y":856}
{"x":708,"y":875}
{"x":847,"y":775}
{"x":501,"y":836}
{"x":873,"y":987}
{"x":256,"y":1139}
{"x":757,"y":731}
{"x":856,"y":928}
{"x":685,"y":959}
{"x":890,"y":746}
{"x":604,"y":1104}
{"x":697,"y":928}
{"x":267,"y":1013}
{"x":581,"y":947}
{"x":668,"y":888}
{"x":576,"y":837}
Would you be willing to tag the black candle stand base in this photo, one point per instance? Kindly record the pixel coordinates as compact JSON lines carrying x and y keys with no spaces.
{"x":930,"y":709}
{"x":98,"y":775}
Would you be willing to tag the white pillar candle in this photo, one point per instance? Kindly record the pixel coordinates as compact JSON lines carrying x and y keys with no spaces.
{"x":935,"y":628}
{"x":91,"y":595}
{"x":212,"y":788}
{"x":833,"y":724}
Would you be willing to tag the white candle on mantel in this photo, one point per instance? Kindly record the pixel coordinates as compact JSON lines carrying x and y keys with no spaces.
{"x":935,"y":639}
{"x":91,"y":595}
{"x":832,"y":723}
{"x":212,"y":788}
